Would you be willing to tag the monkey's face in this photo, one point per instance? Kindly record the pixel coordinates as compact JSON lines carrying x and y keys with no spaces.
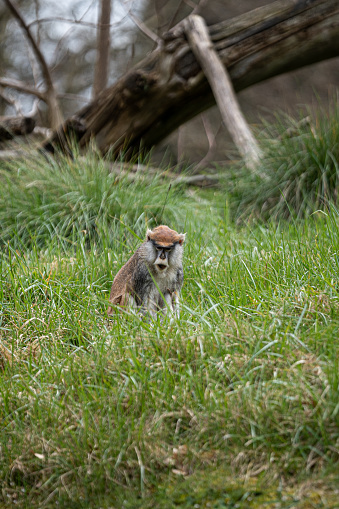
{"x":163,"y":255}
{"x":165,"y":248}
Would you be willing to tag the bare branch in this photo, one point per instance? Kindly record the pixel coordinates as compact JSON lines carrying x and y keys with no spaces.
{"x":73,"y":22}
{"x":37,"y":9}
{"x":171,"y":23}
{"x":22,"y":87}
{"x":11,"y":101}
{"x":197,"y":9}
{"x":221,"y":85}
{"x":12,"y":7}
{"x":158,"y":8}
{"x":50,"y":95}
{"x":190,"y":4}
{"x":145,"y":30}
{"x":66,"y":34}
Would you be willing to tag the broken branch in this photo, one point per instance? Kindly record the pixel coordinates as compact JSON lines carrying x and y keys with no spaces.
{"x":221,"y":85}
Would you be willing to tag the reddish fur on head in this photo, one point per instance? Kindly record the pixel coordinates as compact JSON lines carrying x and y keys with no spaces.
{"x":164,"y":236}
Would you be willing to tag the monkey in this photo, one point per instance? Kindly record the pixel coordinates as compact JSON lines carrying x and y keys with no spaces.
{"x":152,"y":279}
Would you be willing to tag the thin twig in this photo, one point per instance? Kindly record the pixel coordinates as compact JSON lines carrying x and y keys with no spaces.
{"x":158,"y":15}
{"x":75,"y":21}
{"x":37,"y":9}
{"x":66,"y":34}
{"x":199,"y":6}
{"x":196,"y":8}
{"x":145,"y":30}
{"x":172,"y":20}
{"x":67,"y":20}
{"x":44,"y":67}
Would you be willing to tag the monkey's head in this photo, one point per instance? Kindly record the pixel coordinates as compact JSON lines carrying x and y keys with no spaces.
{"x":165,"y":247}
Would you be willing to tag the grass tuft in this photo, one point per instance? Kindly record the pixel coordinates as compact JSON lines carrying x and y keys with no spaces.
{"x":299,"y":172}
{"x":41,"y":198}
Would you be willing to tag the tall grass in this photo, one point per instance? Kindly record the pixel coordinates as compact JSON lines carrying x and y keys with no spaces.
{"x":234,"y":405}
{"x":229,"y":407}
{"x":299,"y":172}
{"x":40,"y":198}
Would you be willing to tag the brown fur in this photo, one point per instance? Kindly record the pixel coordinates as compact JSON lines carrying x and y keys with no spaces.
{"x":120,"y":289}
{"x":122,"y":286}
{"x":164,"y":236}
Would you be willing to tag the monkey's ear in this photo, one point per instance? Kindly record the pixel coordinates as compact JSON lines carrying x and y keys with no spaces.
{"x":182,"y":238}
{"x":148,"y":235}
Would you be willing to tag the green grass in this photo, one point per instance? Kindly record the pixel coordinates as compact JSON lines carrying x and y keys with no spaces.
{"x":235,"y":405}
{"x":299,"y":171}
{"x":41,"y":198}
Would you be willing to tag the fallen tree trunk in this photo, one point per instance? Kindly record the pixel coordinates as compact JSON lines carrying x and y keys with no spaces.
{"x":169,"y":88}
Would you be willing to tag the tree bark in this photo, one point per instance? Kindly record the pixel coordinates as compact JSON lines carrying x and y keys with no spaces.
{"x":103,"y":47}
{"x":15,"y":126}
{"x":169,"y":88}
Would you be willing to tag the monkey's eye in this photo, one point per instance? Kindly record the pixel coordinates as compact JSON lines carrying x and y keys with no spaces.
{"x":164,"y":248}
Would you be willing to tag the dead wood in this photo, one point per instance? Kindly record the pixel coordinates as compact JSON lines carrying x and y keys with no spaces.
{"x":15,"y":126}
{"x":168,"y":87}
{"x":131,"y":172}
{"x":222,"y":88}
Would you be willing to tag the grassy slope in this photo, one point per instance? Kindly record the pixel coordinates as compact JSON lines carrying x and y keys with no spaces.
{"x":235,"y":405}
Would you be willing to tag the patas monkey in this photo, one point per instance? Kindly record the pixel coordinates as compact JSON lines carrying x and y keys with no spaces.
{"x":152,"y":278}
